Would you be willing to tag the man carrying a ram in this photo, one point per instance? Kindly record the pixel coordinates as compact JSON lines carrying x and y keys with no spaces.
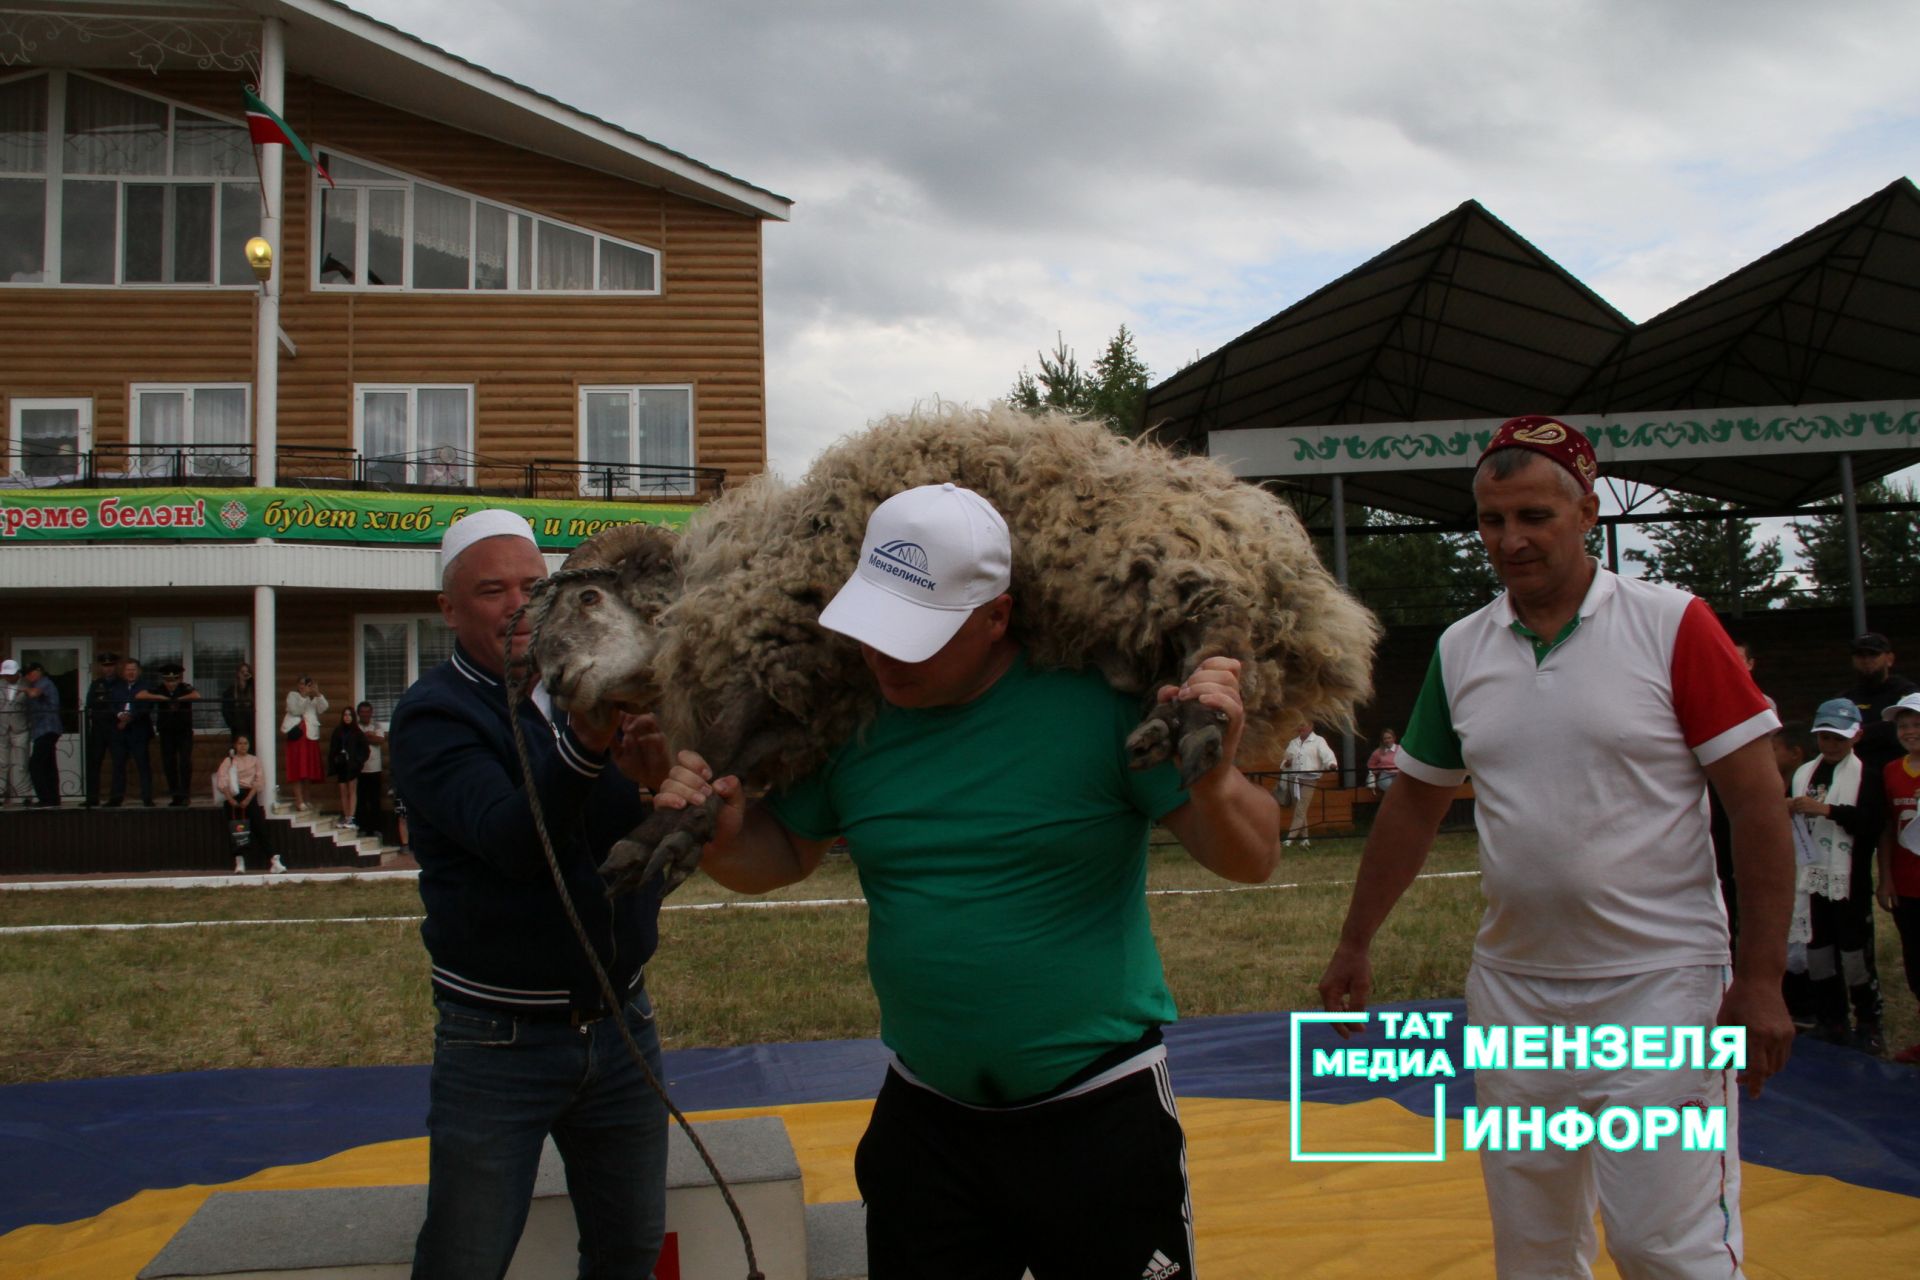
{"x":1027,"y":1120}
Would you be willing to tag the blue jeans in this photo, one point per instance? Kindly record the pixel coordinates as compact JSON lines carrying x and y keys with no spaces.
{"x":500,"y":1085}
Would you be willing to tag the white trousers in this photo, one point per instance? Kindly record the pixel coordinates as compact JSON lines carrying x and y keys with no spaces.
{"x":1303,"y":793}
{"x":1669,"y":1214}
{"x":15,"y":748}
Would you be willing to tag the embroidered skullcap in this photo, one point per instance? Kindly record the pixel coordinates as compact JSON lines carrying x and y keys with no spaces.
{"x":1553,"y":439}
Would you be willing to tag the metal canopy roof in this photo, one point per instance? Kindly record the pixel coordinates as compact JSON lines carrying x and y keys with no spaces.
{"x":1466,"y":320}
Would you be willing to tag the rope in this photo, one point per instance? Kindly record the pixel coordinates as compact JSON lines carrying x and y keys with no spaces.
{"x":517,"y":672}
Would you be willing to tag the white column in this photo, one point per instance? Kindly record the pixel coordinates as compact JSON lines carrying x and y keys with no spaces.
{"x":1850,"y":517}
{"x":266,"y":398}
{"x":266,"y":338}
{"x":266,"y":694}
{"x":1339,"y":497}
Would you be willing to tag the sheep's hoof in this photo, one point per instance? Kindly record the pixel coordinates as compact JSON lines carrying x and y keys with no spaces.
{"x":668,"y":845}
{"x":1152,"y":740}
{"x":1200,"y":743}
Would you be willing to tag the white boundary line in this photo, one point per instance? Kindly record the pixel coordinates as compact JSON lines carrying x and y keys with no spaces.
{"x":758,"y":904}
{"x":212,"y":880}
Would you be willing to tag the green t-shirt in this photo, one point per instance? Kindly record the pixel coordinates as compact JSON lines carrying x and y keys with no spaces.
{"x":1002,"y":848}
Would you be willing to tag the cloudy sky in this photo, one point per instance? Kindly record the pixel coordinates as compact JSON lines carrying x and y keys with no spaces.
{"x":973,"y":176}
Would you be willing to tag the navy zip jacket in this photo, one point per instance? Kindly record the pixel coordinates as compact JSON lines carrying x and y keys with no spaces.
{"x":495,"y":929}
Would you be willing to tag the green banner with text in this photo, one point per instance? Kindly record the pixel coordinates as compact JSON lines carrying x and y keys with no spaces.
{"x":299,"y":515}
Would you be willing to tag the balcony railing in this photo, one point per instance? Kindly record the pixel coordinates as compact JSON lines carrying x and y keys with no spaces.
{"x":149,"y":464}
{"x":437,"y":470}
{"x":618,"y":482}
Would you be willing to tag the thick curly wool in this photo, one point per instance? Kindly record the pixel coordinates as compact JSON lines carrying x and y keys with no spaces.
{"x":1127,"y":558}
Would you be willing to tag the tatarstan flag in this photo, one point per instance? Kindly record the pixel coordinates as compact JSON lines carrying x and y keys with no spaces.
{"x":263,"y":125}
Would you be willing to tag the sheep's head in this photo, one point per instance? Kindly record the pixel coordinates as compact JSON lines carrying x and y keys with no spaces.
{"x":595,"y":632}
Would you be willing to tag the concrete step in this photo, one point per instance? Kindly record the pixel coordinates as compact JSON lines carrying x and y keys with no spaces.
{"x":837,"y":1241}
{"x":367,"y":1233}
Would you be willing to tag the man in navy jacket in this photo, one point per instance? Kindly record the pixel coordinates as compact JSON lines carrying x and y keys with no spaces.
{"x":525,"y":1046}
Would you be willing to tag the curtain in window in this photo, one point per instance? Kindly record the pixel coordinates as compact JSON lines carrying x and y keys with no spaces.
{"x":207,"y":148}
{"x":607,"y":422}
{"x":386,"y":238}
{"x":239,"y":222}
{"x":193,"y":234}
{"x":383,"y":436}
{"x":49,"y":442}
{"x":490,"y":248}
{"x":442,"y":235}
{"x":23,"y":126}
{"x":112,"y":131}
{"x":566,"y":258}
{"x":609,"y":417}
{"x":23,"y":229}
{"x":339,"y":248}
{"x":345,"y":170}
{"x":665,"y":436}
{"x":445,"y":440}
{"x":219,"y":417}
{"x":162,"y":423}
{"x":625,"y":269}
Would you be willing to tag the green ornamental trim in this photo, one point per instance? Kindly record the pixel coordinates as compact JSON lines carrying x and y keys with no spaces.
{"x":1657,"y":434}
{"x":298,"y":515}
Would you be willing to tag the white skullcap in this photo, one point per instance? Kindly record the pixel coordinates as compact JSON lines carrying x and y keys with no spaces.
{"x":489,"y":522}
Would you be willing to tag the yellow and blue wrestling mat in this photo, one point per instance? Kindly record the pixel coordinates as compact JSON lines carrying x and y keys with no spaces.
{"x":97,"y":1175}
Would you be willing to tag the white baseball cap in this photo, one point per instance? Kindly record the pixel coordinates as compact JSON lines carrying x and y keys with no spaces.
{"x":931,"y":556}
{"x":1909,"y":703}
{"x":9,"y":668}
{"x":475,"y":526}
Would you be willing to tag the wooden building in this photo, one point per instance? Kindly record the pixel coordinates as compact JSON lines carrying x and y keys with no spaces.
{"x":488,"y":299}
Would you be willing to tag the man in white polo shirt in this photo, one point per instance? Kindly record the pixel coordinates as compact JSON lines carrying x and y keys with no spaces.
{"x":1592,"y":712}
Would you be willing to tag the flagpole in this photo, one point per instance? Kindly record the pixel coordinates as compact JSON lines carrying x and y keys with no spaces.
{"x":271,"y":161}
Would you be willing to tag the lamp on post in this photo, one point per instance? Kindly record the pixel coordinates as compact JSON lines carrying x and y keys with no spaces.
{"x":260,"y":258}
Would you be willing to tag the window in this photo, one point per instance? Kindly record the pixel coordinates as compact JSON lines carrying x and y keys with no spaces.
{"x":380,"y":229}
{"x":101,"y":185}
{"x":211,"y":650}
{"x":641,"y":436}
{"x":416,"y":435}
{"x":192,"y":419}
{"x":392,"y":653}
{"x":48,"y":439}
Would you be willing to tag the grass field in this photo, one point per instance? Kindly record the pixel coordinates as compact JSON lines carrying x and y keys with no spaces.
{"x":325,"y":975}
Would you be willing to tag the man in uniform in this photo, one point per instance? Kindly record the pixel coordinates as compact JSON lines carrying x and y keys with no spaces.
{"x":1027,"y":1119}
{"x":132,"y":729}
{"x":1592,"y":712}
{"x":98,"y":711}
{"x":174,"y":723}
